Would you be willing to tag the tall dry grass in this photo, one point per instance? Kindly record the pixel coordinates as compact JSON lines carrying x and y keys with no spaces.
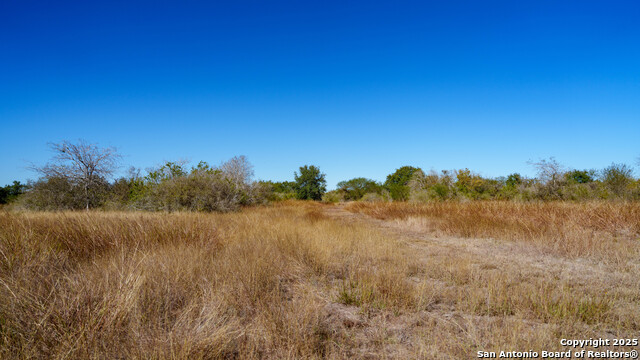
{"x":128,"y":285}
{"x":607,"y":230}
{"x":280,"y":282}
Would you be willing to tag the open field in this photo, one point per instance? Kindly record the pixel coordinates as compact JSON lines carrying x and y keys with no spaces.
{"x":306,"y":280}
{"x":608,"y":231}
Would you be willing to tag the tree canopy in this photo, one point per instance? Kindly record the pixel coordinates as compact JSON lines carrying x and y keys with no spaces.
{"x":310,"y":183}
{"x":356,"y":188}
{"x":397,"y":182}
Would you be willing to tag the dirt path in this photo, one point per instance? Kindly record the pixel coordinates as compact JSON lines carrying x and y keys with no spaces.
{"x":494,"y":253}
{"x":463,"y":276}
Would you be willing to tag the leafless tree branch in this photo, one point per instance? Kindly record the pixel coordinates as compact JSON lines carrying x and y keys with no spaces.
{"x":82,"y":164}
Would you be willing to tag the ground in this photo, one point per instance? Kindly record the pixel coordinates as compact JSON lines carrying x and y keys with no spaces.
{"x":454,"y":262}
{"x":307,"y":280}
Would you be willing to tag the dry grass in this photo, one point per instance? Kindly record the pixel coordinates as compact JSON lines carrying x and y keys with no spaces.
{"x":251,"y":284}
{"x":607,"y":230}
{"x":289,"y":281}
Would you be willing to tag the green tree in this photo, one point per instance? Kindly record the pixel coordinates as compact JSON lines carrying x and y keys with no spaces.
{"x":355,"y":189}
{"x":469,"y":184}
{"x":310,"y":183}
{"x":580,"y":176}
{"x":284,"y":187}
{"x":9,"y":193}
{"x":172,"y":170}
{"x":513,"y":180}
{"x":397,"y":183}
{"x":509,"y":187}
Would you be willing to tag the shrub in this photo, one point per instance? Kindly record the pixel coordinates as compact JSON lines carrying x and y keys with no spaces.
{"x":355,"y":189}
{"x":580,"y":191}
{"x":59,"y":193}
{"x":421,"y":196}
{"x":276,"y":191}
{"x":397,"y":183}
{"x":469,"y":185}
{"x":440,"y":191}
{"x":334,"y":196}
{"x":196,"y":192}
{"x":384,"y":196}
{"x":618,"y":178}
{"x":204,"y":188}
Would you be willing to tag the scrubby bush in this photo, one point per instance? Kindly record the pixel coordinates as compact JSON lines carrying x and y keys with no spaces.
{"x":204,"y":188}
{"x":552,"y":183}
{"x":421,"y":196}
{"x":440,"y":191}
{"x":59,"y":193}
{"x":196,"y":192}
{"x":277,"y":191}
{"x":384,"y":196}
{"x":433,"y":186}
{"x":618,"y":179}
{"x":635,"y":190}
{"x":333,"y":196}
{"x":355,"y":189}
{"x":581,"y":191}
{"x":469,"y":185}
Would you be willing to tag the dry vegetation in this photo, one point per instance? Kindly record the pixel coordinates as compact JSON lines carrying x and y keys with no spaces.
{"x":301,"y":280}
{"x":605,"y":230}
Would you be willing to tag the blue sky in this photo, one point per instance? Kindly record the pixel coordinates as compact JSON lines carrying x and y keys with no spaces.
{"x":356,"y":88}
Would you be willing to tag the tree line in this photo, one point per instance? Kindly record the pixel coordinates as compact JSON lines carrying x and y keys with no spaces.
{"x":79,"y":176}
{"x":553,"y":182}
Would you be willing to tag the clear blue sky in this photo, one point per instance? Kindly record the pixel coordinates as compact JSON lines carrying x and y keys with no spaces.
{"x":358,"y":88}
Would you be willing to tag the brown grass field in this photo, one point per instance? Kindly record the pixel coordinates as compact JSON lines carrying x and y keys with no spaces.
{"x":299,"y":280}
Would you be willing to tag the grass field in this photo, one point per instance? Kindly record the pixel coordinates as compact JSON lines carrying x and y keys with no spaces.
{"x":306,"y":280}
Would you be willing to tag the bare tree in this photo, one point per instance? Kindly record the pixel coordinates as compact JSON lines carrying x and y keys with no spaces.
{"x":82,"y":164}
{"x":549,"y":171}
{"x":238,"y":169}
{"x":551,"y":177}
